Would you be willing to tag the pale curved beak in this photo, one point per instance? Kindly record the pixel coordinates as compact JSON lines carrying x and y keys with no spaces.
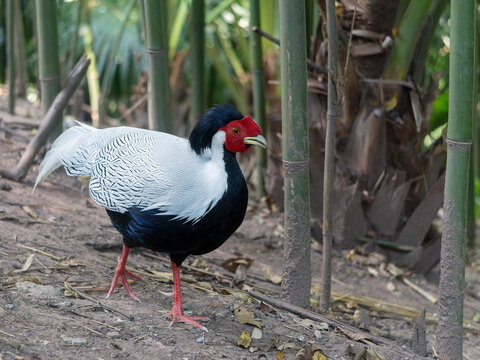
{"x":258,"y":140}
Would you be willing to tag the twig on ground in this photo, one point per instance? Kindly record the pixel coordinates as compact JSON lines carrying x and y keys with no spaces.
{"x":39,"y":251}
{"x":86,"y":297}
{"x":17,"y":134}
{"x":331,"y":322}
{"x":421,"y":291}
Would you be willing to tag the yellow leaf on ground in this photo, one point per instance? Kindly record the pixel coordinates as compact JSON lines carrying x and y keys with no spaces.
{"x":245,"y":316}
{"x":244,"y":340}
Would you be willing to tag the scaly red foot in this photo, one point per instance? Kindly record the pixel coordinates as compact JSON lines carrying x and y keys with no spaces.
{"x":177,"y":311}
{"x":122,"y":274}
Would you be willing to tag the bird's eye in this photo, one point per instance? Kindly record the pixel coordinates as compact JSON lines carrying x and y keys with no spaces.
{"x":235,"y":130}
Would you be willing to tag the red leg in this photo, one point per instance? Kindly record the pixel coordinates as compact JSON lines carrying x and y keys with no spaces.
{"x":177,"y":311}
{"x":121,"y":275}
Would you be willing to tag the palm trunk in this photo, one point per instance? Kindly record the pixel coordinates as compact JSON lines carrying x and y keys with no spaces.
{"x":159,"y":106}
{"x":49,"y":64}
{"x":459,"y":138}
{"x":258,"y":80}
{"x":296,"y":272}
{"x":333,"y":114}
{"x":198,"y":59}
{"x":10,"y":56}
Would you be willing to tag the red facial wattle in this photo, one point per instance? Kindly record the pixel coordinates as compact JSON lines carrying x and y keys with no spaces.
{"x":236,"y":131}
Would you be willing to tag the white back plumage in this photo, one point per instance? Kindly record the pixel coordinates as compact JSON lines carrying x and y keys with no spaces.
{"x":142,"y":169}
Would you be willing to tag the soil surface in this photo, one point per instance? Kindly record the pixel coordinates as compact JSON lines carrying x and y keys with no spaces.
{"x":57,"y":237}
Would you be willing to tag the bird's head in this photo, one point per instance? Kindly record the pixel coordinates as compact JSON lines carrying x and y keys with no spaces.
{"x":240,"y":131}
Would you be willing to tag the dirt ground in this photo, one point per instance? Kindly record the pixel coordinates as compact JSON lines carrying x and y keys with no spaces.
{"x":58,"y":236}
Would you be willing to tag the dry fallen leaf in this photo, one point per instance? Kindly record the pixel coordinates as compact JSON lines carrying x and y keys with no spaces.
{"x":276,"y":279}
{"x":353,"y":335}
{"x":256,"y":333}
{"x":318,"y":356}
{"x":373,"y":355}
{"x":27,"y":264}
{"x":232,"y":263}
{"x":30,"y":212}
{"x":244,"y":340}
{"x":245,"y":316}
{"x":280,"y":355}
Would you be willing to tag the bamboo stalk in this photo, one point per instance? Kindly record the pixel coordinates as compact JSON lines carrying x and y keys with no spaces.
{"x":159,"y":93}
{"x":92,"y":75}
{"x":20,"y":56}
{"x":459,"y":141}
{"x":474,"y":158}
{"x":49,"y":64}
{"x":333,"y":115}
{"x":197,"y":35}
{"x":74,"y":43}
{"x":296,"y":271}
{"x":258,"y":80}
{"x":107,"y":77}
{"x":10,"y":55}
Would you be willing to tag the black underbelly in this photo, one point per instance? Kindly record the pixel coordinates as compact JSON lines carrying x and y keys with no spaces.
{"x":175,"y":236}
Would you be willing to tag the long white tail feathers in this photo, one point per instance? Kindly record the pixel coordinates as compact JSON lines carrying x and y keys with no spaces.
{"x":64,"y":146}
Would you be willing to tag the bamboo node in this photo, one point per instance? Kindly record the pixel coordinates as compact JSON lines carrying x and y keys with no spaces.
{"x":459,"y":145}
{"x":49,"y":78}
{"x":156,"y":51}
{"x":293,"y":167}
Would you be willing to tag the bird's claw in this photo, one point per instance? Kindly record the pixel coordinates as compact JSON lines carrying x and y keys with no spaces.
{"x":121,"y":276}
{"x":178,"y":316}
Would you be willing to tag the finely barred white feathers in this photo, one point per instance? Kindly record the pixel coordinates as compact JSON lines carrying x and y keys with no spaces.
{"x":141,"y":169}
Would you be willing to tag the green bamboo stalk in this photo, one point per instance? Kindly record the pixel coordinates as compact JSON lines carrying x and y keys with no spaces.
{"x":296,"y":271}
{"x":333,"y":114}
{"x":73,"y":47}
{"x":20,"y":51}
{"x":177,"y":26}
{"x":403,"y":49}
{"x":159,"y":93}
{"x":92,"y":75}
{"x":48,"y":58}
{"x":107,"y":77}
{"x":217,"y":10}
{"x":471,"y":223}
{"x":197,"y":33}
{"x":258,"y":81}
{"x":459,"y":142}
{"x":474,"y":166}
{"x":10,"y":55}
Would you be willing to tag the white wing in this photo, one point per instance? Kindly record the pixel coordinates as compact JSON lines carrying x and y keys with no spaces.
{"x":156,"y":171}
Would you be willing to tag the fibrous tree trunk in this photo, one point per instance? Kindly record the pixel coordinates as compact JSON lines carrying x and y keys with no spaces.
{"x":382,"y":174}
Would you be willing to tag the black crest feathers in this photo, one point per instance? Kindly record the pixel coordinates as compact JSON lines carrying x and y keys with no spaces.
{"x":214,"y":118}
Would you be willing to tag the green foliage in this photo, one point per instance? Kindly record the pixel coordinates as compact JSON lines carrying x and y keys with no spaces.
{"x":439,"y":115}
